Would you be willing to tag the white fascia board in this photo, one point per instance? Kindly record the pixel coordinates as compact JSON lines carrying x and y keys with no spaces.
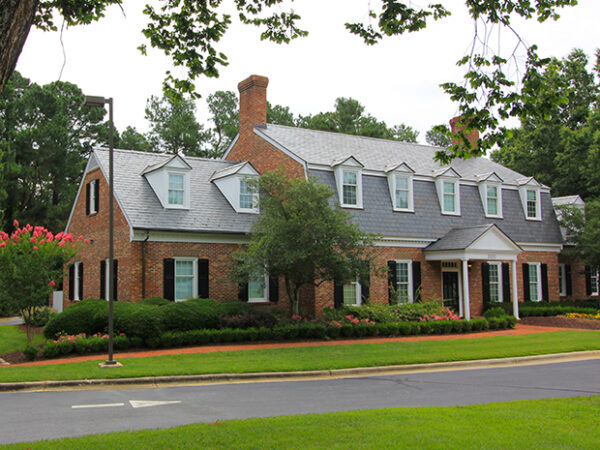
{"x":286,"y":151}
{"x":389,"y":241}
{"x":189,"y":237}
{"x":85,"y":172}
{"x":465,"y":255}
{"x":537,"y":247}
{"x":235,"y":139}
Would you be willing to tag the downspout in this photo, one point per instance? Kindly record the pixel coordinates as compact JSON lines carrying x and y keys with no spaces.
{"x":144,"y":264}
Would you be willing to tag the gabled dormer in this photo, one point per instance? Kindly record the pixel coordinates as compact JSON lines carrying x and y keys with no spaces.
{"x":234,"y":183}
{"x":400,"y":184}
{"x":529,"y":191}
{"x":448,"y":189}
{"x":348,"y":180}
{"x":170,"y":181}
{"x":490,"y":191}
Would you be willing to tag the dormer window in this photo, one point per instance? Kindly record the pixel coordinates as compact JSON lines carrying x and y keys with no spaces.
{"x":400,"y":183}
{"x":348,"y":179}
{"x":235,"y":183}
{"x":529,"y":190}
{"x":248,"y":195}
{"x":176,"y":189}
{"x":490,"y":190}
{"x":448,"y":190}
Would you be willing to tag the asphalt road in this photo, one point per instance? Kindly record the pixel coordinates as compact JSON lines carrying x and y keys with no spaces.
{"x":30,"y":416}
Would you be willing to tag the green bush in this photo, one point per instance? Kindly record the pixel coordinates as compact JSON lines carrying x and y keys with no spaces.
{"x":193,"y":314}
{"x":39,"y":317}
{"x":134,"y":319}
{"x":496,"y":311}
{"x":155,"y":301}
{"x":30,"y":352}
{"x":79,"y":318}
{"x":50,"y":349}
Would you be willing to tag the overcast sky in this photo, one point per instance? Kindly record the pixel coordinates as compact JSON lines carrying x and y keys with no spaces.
{"x":397,"y":80}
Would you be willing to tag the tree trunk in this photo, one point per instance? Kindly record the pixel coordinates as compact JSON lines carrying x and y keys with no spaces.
{"x":16,"y":18}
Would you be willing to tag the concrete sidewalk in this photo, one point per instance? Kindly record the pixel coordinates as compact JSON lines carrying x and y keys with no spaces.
{"x":11,"y":320}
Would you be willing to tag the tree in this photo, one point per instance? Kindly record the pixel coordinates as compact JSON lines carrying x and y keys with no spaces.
{"x":45,"y":134}
{"x":223,"y":107}
{"x":132,"y":139}
{"x":32,"y":258}
{"x":189,"y":32}
{"x":439,"y":135}
{"x":301,"y":238}
{"x":557,"y":138}
{"x":583,"y":230}
{"x":174,"y":128}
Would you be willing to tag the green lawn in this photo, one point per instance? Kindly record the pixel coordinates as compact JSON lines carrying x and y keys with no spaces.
{"x":550,"y":423}
{"x":12,"y":339}
{"x":317,"y":358}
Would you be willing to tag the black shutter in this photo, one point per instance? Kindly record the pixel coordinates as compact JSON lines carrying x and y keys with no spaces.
{"x":103,"y":279}
{"x":80,"y":276}
{"x":391,"y":280}
{"x":365,"y":284}
{"x":115,"y":279}
{"x":505,"y":282}
{"x":169,"y":279}
{"x":588,"y":280}
{"x":544,"y":270}
{"x":485,"y":282}
{"x":72,"y":282}
{"x":338,"y":294}
{"x":568,"y":280}
{"x":97,"y":196}
{"x":416,"y":279}
{"x":87,"y":199}
{"x":243,"y":292}
{"x":203,"y":278}
{"x":526,"y":296}
{"x":273,"y":289}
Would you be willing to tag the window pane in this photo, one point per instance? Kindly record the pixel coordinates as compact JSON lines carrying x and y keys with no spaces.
{"x":349,"y":195}
{"x":246,"y":195}
{"x":449,"y":202}
{"x":401,"y":183}
{"x":246,"y":201}
{"x":494,"y":281}
{"x":184,"y":287}
{"x":256,"y":288}
{"x":349,"y":178}
{"x":533,"y":282}
{"x":401,"y":199}
{"x":492,"y":206}
{"x":176,"y":197}
{"x":531,"y":204}
{"x":184,"y":268}
{"x":175,"y":181}
{"x":350,"y":294}
{"x":448,"y":188}
{"x":403,"y":282}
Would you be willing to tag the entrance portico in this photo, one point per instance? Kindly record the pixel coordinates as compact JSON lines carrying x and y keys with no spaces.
{"x":463,"y":246}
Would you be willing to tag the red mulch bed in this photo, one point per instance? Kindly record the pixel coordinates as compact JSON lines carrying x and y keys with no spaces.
{"x":562,"y":322}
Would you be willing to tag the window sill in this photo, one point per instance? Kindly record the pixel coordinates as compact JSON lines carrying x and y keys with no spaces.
{"x":450,"y":213}
{"x":404,"y":210}
{"x":352,"y":206}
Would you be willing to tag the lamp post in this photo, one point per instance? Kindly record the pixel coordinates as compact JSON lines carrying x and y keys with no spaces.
{"x":100,"y":102}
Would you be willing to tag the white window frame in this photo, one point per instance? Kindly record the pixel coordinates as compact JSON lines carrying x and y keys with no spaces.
{"x":357,"y":186}
{"x":498,"y":265}
{"x":440,"y":183}
{"x":253,"y":193}
{"x":562,"y":279}
{"x":410,"y":191}
{"x":194,"y":262}
{"x":265,"y":297}
{"x":538,"y":271}
{"x":357,"y":294}
{"x":92,"y":197}
{"x":594,"y":279}
{"x":523,"y":190}
{"x":485,"y":199}
{"x":76,"y":269}
{"x":182,"y":190}
{"x":409,"y":284}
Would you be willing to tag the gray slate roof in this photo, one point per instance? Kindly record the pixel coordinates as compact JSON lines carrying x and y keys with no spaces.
{"x":427,"y":220}
{"x":209,"y":210}
{"x":322,"y":147}
{"x":459,"y":238}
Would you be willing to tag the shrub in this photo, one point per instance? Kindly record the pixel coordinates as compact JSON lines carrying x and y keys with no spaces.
{"x":134,"y":319}
{"x":496,"y":311}
{"x":79,"y":318}
{"x":479,"y":324}
{"x":155,"y":301}
{"x":247,"y":319}
{"x":30,"y":352}
{"x":193,"y":314}
{"x":50,"y":349}
{"x":39,"y":316}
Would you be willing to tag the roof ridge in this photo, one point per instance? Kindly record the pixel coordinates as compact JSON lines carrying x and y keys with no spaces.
{"x":141,"y":152}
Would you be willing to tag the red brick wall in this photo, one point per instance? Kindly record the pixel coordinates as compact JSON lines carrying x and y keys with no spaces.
{"x":577,"y":279}
{"x":548,"y":258}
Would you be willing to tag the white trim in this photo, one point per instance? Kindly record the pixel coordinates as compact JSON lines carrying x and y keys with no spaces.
{"x":540,"y":247}
{"x":408,"y":263}
{"x":439,"y":184}
{"x":189,"y":237}
{"x":457,"y":269}
{"x":562,"y":279}
{"x":235,"y":139}
{"x":483,"y":193}
{"x":500,"y":284}
{"x":391,"y":241}
{"x":357,"y":293}
{"x":538,"y":270}
{"x":339,"y":172}
{"x":393,"y":187}
{"x":194,"y":261}
{"x":265,"y":297}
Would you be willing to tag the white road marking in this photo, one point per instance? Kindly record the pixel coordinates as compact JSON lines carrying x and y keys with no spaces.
{"x":147,"y":403}
{"x":98,"y":405}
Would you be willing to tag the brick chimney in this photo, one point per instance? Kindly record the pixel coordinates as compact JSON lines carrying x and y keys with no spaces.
{"x":456,"y":129}
{"x":253,"y":103}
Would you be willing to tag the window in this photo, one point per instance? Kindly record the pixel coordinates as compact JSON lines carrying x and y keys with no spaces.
{"x":532,"y":204}
{"x":449,"y":197}
{"x":176,"y":189}
{"x":562,"y":279}
{"x":403,"y":282}
{"x":247,"y":195}
{"x":535,"y":288}
{"x":92,"y":197}
{"x":185,"y":278}
{"x":403,"y":194}
{"x":258,"y":289}
{"x":495,"y":282}
{"x":352,"y":294}
{"x":594,"y":278}
{"x":492,"y":200}
{"x":105,"y":278}
{"x":349,"y":188}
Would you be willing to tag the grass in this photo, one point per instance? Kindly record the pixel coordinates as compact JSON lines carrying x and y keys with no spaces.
{"x":317,"y":358}
{"x":13,"y":340}
{"x":550,"y":423}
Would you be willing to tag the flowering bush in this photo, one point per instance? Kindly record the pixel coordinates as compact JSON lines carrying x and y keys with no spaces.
{"x":445,"y":314}
{"x":82,"y":343}
{"x":32,"y":260}
{"x":583,"y":316}
{"x":350,"y":319}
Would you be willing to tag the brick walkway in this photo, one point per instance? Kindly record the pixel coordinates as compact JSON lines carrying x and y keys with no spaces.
{"x":518,"y":330}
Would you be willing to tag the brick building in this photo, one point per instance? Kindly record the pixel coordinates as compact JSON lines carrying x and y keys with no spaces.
{"x":468,"y":233}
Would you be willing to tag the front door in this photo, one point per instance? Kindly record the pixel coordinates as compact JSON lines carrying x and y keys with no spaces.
{"x":450,"y":290}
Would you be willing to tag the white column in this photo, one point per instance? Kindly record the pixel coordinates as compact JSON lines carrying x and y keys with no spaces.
{"x":515,"y":292}
{"x":465,"y":273}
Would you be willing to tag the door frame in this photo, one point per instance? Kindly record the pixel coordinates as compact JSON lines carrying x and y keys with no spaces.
{"x":452,"y":266}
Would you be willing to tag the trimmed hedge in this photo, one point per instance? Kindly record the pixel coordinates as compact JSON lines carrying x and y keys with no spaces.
{"x":528,"y":309}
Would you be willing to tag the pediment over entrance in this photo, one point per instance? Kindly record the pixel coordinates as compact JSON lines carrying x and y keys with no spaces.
{"x":483,"y":242}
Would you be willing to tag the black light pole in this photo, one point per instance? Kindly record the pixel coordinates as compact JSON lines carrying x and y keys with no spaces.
{"x":100,"y":102}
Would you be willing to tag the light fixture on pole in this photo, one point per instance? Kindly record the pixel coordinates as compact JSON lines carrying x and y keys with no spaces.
{"x":100,"y":102}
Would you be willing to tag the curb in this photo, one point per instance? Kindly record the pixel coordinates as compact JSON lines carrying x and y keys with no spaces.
{"x":311,"y":374}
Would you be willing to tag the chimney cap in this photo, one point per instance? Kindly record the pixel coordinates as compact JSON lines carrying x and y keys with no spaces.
{"x":253,"y":81}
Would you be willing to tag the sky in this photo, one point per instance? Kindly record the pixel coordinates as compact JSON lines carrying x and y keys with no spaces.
{"x":398,"y":80}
